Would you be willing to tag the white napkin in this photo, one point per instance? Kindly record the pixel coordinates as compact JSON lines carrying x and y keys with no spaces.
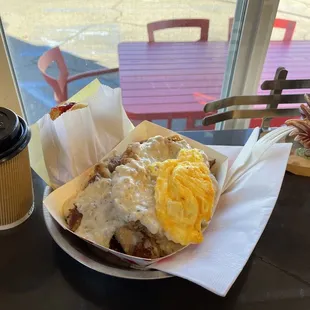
{"x":236,"y":227}
{"x":78,"y":139}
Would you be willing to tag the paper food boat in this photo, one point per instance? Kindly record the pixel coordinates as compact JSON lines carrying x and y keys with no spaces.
{"x":55,"y":201}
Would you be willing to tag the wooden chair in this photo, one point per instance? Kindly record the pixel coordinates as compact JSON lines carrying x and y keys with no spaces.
{"x":60,"y":85}
{"x":270,"y":101}
{"x":179,"y":23}
{"x":288,"y":25}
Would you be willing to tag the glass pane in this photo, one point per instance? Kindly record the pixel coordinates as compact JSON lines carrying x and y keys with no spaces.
{"x":167,"y":82}
{"x":288,"y":48}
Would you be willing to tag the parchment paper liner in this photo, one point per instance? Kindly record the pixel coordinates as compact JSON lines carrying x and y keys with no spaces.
{"x":55,"y":201}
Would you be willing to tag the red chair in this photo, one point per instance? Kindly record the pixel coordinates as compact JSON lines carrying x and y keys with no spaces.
{"x":203,"y":24}
{"x":179,"y":23}
{"x":288,"y":25}
{"x":60,"y":85}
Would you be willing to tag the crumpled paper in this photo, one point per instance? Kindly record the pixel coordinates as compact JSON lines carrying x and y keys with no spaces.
{"x":236,"y":227}
{"x":78,"y":139}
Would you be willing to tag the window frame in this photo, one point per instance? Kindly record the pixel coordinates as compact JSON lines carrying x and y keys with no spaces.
{"x":251,"y":33}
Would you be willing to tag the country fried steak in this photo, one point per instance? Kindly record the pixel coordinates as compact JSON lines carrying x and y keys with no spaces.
{"x":133,"y":238}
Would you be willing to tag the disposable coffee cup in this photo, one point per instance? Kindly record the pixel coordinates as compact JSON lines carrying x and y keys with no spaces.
{"x":16,"y":192}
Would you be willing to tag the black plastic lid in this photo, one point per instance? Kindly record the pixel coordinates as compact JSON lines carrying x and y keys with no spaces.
{"x":14,"y":134}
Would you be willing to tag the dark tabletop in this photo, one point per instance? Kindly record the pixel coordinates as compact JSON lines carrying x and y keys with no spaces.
{"x":36,"y":274}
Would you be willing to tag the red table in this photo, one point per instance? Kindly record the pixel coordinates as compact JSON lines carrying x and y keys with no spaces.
{"x":160,"y":80}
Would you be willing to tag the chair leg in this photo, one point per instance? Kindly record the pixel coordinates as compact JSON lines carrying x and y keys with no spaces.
{"x":169,"y":123}
{"x":190,"y":123}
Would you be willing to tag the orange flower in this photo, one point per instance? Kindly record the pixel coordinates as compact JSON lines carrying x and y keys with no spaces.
{"x":301,"y":131}
{"x":302,"y":126}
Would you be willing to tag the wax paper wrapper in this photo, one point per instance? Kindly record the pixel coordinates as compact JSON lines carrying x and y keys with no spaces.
{"x":56,"y":200}
{"x":78,"y":139}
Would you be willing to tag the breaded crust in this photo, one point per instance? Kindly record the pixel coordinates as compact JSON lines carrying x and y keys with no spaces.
{"x":74,"y":218}
{"x":174,"y":138}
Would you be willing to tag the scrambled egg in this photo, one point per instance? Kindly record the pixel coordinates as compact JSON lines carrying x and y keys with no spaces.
{"x":184,"y":195}
{"x":133,"y":186}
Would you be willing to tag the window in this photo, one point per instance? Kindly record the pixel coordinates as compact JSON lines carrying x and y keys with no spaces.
{"x":166,"y":82}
